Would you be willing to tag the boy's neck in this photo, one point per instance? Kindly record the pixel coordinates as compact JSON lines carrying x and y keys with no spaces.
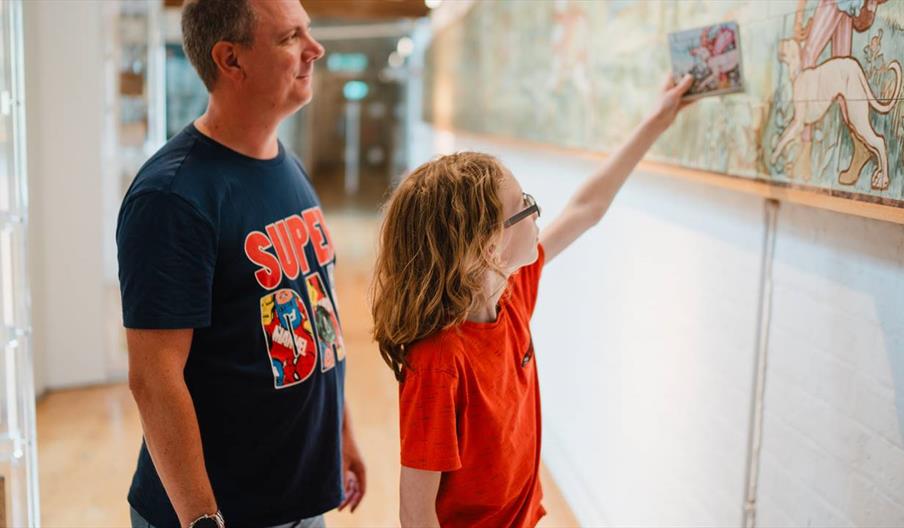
{"x":493,"y":287}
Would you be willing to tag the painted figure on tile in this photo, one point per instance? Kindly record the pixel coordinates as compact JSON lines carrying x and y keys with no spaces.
{"x":840,"y":79}
{"x":570,"y":57}
{"x":833,"y":22}
{"x":875,"y":59}
{"x":721,"y":56}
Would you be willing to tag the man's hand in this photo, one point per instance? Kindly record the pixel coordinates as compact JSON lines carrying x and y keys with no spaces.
{"x":670,"y":102}
{"x":353,"y":470}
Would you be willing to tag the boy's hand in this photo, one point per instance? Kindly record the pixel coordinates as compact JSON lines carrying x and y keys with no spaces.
{"x":670,"y":102}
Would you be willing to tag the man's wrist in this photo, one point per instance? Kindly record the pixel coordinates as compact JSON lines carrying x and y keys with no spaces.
{"x":211,"y":520}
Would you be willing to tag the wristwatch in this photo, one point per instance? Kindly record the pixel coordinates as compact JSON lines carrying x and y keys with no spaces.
{"x":209,"y":521}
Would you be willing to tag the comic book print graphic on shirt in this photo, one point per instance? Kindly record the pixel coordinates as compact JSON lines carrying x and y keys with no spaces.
{"x":331,"y":276}
{"x":289,"y":337}
{"x":326,"y":324}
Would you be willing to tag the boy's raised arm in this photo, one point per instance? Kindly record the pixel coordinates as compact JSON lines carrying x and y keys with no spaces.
{"x":592,"y":199}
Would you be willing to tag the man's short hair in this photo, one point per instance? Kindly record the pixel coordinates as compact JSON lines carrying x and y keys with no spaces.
{"x":206,"y":22}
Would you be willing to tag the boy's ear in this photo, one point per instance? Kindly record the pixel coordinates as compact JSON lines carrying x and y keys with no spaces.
{"x":492,"y":254}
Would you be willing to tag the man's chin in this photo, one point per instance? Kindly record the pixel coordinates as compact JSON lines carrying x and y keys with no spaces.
{"x":307,"y":98}
{"x":299,"y":100}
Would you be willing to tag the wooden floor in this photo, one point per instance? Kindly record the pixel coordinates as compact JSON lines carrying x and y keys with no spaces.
{"x":88,"y":439}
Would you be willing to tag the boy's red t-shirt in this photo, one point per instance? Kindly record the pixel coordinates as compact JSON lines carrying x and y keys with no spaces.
{"x":470,"y":408}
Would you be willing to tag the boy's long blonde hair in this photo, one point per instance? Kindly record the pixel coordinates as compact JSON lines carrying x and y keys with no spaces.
{"x":435,"y":250}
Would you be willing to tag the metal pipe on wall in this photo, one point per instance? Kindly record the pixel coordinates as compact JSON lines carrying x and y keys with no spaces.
{"x":754,"y":443}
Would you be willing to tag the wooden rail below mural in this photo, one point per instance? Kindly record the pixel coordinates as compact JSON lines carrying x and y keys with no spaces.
{"x":837,"y":201}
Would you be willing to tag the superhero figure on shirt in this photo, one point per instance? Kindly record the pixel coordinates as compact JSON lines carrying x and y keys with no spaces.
{"x":327,"y":326}
{"x":291,"y":346}
{"x":329,"y":334}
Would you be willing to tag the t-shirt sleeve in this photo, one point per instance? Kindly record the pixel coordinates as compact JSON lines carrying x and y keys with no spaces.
{"x":527,"y":280}
{"x":428,"y":423}
{"x":167,"y":252}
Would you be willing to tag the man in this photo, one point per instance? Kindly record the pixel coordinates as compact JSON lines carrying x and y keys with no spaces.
{"x":222,"y":245}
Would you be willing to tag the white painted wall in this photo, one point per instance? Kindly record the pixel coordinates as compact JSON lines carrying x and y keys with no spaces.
{"x":64,"y":108}
{"x":834,"y":428}
{"x":646,"y":334}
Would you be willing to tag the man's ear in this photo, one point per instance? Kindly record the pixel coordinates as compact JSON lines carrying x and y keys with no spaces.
{"x":225,"y":56}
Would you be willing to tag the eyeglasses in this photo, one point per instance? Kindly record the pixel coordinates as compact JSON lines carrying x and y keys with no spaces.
{"x":531,"y":208}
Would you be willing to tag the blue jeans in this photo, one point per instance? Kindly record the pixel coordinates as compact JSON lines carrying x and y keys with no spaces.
{"x":312,"y":522}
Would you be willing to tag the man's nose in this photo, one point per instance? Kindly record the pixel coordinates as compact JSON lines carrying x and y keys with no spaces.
{"x":313,"y":51}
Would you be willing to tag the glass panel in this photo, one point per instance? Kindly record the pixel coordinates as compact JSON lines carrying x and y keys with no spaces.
{"x":18,"y":462}
{"x":17,"y":447}
{"x":7,"y":179}
{"x":25,"y":416}
{"x":10,"y":419}
{"x":7,"y":252}
{"x":7,"y":395}
{"x":21,"y":307}
{"x":14,"y":471}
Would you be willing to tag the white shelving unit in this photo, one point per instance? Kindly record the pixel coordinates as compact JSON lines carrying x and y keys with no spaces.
{"x":18,"y":449}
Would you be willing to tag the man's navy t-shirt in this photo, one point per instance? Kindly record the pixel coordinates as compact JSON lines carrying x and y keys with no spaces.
{"x":237,"y":249}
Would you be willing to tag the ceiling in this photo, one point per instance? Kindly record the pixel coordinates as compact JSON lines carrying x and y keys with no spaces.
{"x":359,"y":10}
{"x":366,"y":9}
